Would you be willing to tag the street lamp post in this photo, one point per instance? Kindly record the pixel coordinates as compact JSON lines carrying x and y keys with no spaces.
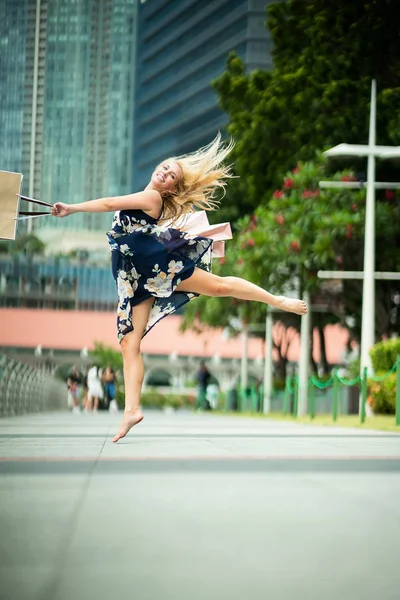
{"x":368,"y":305}
{"x":268,"y":363}
{"x":371,"y":151}
{"x":304,"y":363}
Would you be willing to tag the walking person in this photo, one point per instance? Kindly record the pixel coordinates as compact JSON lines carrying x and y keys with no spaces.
{"x":74,"y":379}
{"x":109,"y":379}
{"x":203,"y":379}
{"x":159,"y":267}
{"x":95,"y":389}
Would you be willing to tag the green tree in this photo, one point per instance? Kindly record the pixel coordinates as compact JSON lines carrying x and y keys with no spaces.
{"x":317,"y":95}
{"x":104,"y":356}
{"x":299,"y":232}
{"x":28,"y":244}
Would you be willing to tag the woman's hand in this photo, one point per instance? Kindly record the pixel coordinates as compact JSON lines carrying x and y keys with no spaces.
{"x":59,"y":209}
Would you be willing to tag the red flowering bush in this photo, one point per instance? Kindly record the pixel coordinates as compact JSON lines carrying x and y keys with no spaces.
{"x":295,"y":245}
{"x":288,"y":183}
{"x":390,"y":194}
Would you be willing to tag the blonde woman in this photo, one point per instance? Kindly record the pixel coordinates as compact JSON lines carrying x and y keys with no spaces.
{"x":158,"y":267}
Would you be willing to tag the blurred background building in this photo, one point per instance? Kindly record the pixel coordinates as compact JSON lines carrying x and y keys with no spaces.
{"x":67,"y":89}
{"x":182,"y":46}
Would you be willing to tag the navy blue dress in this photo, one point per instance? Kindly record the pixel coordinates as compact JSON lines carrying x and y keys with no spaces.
{"x":151,"y":260}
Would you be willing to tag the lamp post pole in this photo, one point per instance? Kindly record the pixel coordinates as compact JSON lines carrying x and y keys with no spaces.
{"x":368,"y":304}
{"x":304,"y":358}
{"x":244,"y":361}
{"x":268,"y":363}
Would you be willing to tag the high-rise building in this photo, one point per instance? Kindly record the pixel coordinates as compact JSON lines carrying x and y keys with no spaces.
{"x":182,"y":46}
{"x":67,"y":101}
{"x":16,"y":87}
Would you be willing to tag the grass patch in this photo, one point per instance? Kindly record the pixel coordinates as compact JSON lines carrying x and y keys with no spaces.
{"x":378,"y":422}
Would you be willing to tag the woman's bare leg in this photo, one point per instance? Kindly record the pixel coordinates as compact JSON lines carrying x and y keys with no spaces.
{"x":208,"y":284}
{"x":133,"y":368}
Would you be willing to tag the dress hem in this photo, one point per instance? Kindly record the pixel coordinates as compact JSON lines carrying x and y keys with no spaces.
{"x":196,"y":295}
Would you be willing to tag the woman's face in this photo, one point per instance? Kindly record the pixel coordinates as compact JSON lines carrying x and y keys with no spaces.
{"x":166,"y":176}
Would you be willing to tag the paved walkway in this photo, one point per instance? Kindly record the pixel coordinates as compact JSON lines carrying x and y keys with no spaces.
{"x":190,"y":507}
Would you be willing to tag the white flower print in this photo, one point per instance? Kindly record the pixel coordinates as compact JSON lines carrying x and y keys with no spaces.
{"x":123,"y":313}
{"x":134,"y":273}
{"x":175,"y":266}
{"x":159,"y":285}
{"x":125,"y":288}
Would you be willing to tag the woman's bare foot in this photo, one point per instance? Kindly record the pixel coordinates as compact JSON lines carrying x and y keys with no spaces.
{"x":130,"y":418}
{"x":291,"y":305}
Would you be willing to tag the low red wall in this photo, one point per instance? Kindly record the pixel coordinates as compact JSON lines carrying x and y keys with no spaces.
{"x":74,"y":330}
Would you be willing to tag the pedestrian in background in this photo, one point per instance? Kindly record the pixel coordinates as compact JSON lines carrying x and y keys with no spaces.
{"x":74,"y":379}
{"x":95,"y":389}
{"x":203,"y":379}
{"x":109,"y":380}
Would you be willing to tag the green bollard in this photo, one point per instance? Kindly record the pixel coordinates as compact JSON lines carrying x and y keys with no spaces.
{"x":296,"y":397}
{"x":254,"y":400}
{"x":335,"y":396}
{"x":398,"y":391}
{"x":223,"y":401}
{"x":261,"y":399}
{"x":240,"y":400}
{"x":364,"y":391}
{"x":200,"y":400}
{"x":286,"y":398}
{"x":312,"y":400}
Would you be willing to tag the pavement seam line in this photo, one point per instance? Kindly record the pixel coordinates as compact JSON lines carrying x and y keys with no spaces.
{"x":55,"y":584}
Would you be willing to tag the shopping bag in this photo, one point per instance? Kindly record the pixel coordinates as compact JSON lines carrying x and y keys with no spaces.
{"x":10,"y":196}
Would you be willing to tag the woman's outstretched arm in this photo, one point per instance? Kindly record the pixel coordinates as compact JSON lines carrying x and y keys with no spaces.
{"x":147,"y":200}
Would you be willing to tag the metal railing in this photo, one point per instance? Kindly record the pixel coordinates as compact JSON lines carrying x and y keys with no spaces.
{"x":338,"y":383}
{"x":251,"y":399}
{"x":26,"y":389}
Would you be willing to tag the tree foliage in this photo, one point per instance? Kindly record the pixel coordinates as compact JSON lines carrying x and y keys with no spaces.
{"x":105,"y":356}
{"x":28,"y":243}
{"x":317,"y":95}
{"x":300,"y":231}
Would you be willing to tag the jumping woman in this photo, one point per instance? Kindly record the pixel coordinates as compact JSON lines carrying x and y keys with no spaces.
{"x":157,"y":267}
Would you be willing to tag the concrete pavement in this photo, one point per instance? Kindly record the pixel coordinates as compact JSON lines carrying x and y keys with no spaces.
{"x":192,"y":506}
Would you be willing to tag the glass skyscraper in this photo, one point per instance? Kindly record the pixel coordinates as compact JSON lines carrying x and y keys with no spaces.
{"x":67,"y":71}
{"x":182,"y":46}
{"x":13,"y":76}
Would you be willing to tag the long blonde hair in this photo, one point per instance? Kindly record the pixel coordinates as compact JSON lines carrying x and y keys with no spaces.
{"x":203,"y":174}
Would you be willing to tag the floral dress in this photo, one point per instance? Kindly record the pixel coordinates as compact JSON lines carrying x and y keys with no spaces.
{"x":151,"y":260}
